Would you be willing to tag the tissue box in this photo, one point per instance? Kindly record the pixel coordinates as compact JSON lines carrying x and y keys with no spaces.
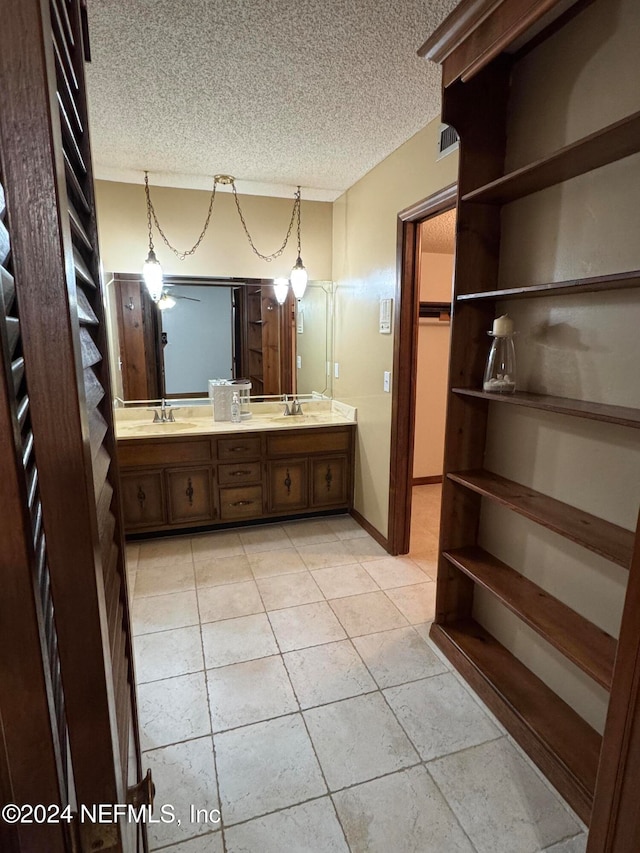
{"x":221,"y":395}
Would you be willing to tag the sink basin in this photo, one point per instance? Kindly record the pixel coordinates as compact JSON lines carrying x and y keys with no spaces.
{"x":300,"y":419}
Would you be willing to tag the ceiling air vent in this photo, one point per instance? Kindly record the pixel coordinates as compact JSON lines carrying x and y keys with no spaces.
{"x":448,"y":141}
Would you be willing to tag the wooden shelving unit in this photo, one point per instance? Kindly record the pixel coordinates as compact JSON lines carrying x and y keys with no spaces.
{"x":478,"y":63}
{"x":605,"y":146}
{"x":621,"y":415}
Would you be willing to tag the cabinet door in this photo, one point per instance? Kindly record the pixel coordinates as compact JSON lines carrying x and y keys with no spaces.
{"x":287,"y":487}
{"x":190,"y":495}
{"x":142,"y":499}
{"x":330,"y":481}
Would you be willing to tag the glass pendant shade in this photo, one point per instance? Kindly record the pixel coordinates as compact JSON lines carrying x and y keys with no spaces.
{"x":152,"y":275}
{"x":299,"y":279}
{"x":281,"y":289}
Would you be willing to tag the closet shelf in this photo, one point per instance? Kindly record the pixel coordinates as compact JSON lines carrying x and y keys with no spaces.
{"x":592,"y":284}
{"x":565,"y":746}
{"x":610,"y":541}
{"x":605,"y":146}
{"x":620,"y":415}
{"x":587,"y":646}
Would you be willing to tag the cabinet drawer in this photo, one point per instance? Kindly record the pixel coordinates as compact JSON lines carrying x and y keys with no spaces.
{"x":329,"y":481}
{"x":163,"y":452}
{"x":190,"y":495}
{"x":243,"y":502}
{"x":239,"y":448}
{"x":233,"y":475}
{"x":287,"y":485}
{"x":142,"y":499}
{"x":309,"y":441}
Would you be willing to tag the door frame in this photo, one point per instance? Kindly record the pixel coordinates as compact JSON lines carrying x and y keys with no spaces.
{"x":405,"y":360}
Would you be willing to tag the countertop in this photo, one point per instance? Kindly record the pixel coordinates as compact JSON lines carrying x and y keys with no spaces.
{"x":137,"y":422}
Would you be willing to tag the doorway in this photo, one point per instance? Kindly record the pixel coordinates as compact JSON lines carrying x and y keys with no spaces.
{"x":418,"y":227}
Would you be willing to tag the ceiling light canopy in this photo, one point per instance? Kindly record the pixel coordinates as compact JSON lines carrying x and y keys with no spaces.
{"x":152,"y":271}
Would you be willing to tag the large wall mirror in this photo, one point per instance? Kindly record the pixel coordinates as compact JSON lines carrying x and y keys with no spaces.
{"x":218,"y":329}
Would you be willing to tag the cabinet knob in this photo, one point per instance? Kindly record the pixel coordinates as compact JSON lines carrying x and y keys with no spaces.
{"x":238,"y":449}
{"x":328,"y":478}
{"x":240,"y":473}
{"x":241,"y":503}
{"x":287,"y":482}
{"x":189,"y":491}
{"x":141,"y":497}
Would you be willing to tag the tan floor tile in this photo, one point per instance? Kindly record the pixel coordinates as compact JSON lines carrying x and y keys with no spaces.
{"x":327,"y":554}
{"x":265,"y":564}
{"x":346,"y":527}
{"x":222,"y":543}
{"x":164,"y":612}
{"x":228,"y":601}
{"x":310,"y":532}
{"x":236,"y":640}
{"x":164,"y":552}
{"x":340,"y":581}
{"x":288,"y":590}
{"x":132,"y":552}
{"x":364,"y":548}
{"x":327,"y":673}
{"x":162,"y":580}
{"x":168,"y":654}
{"x":390,"y":572}
{"x":417,"y":602}
{"x":367,"y":614}
{"x":214,"y":571}
{"x":249,"y":692}
{"x":267,"y":538}
{"x":396,"y":656}
{"x":173,"y":710}
{"x":307,"y":625}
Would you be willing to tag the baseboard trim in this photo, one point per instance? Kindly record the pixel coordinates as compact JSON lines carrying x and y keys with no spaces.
{"x":371,"y":530}
{"x":426,"y":481}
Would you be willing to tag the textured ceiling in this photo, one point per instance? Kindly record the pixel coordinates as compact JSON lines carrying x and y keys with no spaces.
{"x":438,"y":234}
{"x":274,"y":92}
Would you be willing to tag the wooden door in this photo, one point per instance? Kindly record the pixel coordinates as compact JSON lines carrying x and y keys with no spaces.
{"x":190,"y":495}
{"x":329,"y":481}
{"x":287,"y":485}
{"x":138,"y":339}
{"x":45,"y":162}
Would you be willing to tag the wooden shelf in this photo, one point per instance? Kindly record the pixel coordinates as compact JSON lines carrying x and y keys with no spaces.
{"x":563,"y":745}
{"x":621,"y":415}
{"x":593,"y":284}
{"x":602,"y":537}
{"x":588,"y":647}
{"x":611,"y":143}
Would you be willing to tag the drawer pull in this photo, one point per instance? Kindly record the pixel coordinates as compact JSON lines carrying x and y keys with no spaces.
{"x":241,"y":473}
{"x":287,"y":482}
{"x":141,"y":497}
{"x":189,"y":491}
{"x":241,"y":503}
{"x":239,"y":449}
{"x":328,"y":478}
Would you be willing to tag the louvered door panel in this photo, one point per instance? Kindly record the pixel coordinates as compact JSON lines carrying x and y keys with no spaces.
{"x":92,"y":342}
{"x":43,"y":741}
{"x":67,"y":427}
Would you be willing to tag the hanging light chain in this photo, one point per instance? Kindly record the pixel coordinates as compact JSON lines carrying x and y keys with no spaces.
{"x":151,"y":212}
{"x":276,"y":254}
{"x":225,"y":179}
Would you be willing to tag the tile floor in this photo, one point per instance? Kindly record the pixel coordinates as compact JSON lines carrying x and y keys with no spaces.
{"x":285,"y":677}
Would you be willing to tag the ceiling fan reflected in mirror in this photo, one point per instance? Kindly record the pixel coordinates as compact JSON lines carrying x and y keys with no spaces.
{"x":168,"y":301}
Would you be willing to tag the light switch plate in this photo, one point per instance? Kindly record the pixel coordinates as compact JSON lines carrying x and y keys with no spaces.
{"x":336,"y":370}
{"x":387,"y":381}
{"x":298,"y":361}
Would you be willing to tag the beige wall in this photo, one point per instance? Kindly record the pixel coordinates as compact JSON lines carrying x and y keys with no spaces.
{"x":225,"y":252}
{"x":364,"y":269}
{"x":433,"y":367}
{"x":584,"y":346}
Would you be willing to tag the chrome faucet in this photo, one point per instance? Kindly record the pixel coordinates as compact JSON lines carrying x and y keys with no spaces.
{"x":163,"y":415}
{"x":294,"y":409}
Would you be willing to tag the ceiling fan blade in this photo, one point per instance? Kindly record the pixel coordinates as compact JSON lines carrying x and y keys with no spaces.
{"x":190,"y":298}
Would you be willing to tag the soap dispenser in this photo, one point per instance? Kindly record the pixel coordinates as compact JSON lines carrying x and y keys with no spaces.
{"x":236,"y":416}
{"x":500,"y":372}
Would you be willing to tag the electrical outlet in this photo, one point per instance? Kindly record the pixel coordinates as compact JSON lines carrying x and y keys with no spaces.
{"x":336,"y":370}
{"x":387,"y":381}
{"x":299,"y":361}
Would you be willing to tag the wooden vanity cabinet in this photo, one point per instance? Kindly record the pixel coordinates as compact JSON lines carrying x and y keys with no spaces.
{"x":177,"y":483}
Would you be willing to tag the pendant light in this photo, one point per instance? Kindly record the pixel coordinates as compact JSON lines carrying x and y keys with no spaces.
{"x":299,"y":276}
{"x":281,"y":289}
{"x":151,"y":270}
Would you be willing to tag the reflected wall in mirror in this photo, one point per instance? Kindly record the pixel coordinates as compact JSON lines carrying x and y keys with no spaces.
{"x":217,"y":329}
